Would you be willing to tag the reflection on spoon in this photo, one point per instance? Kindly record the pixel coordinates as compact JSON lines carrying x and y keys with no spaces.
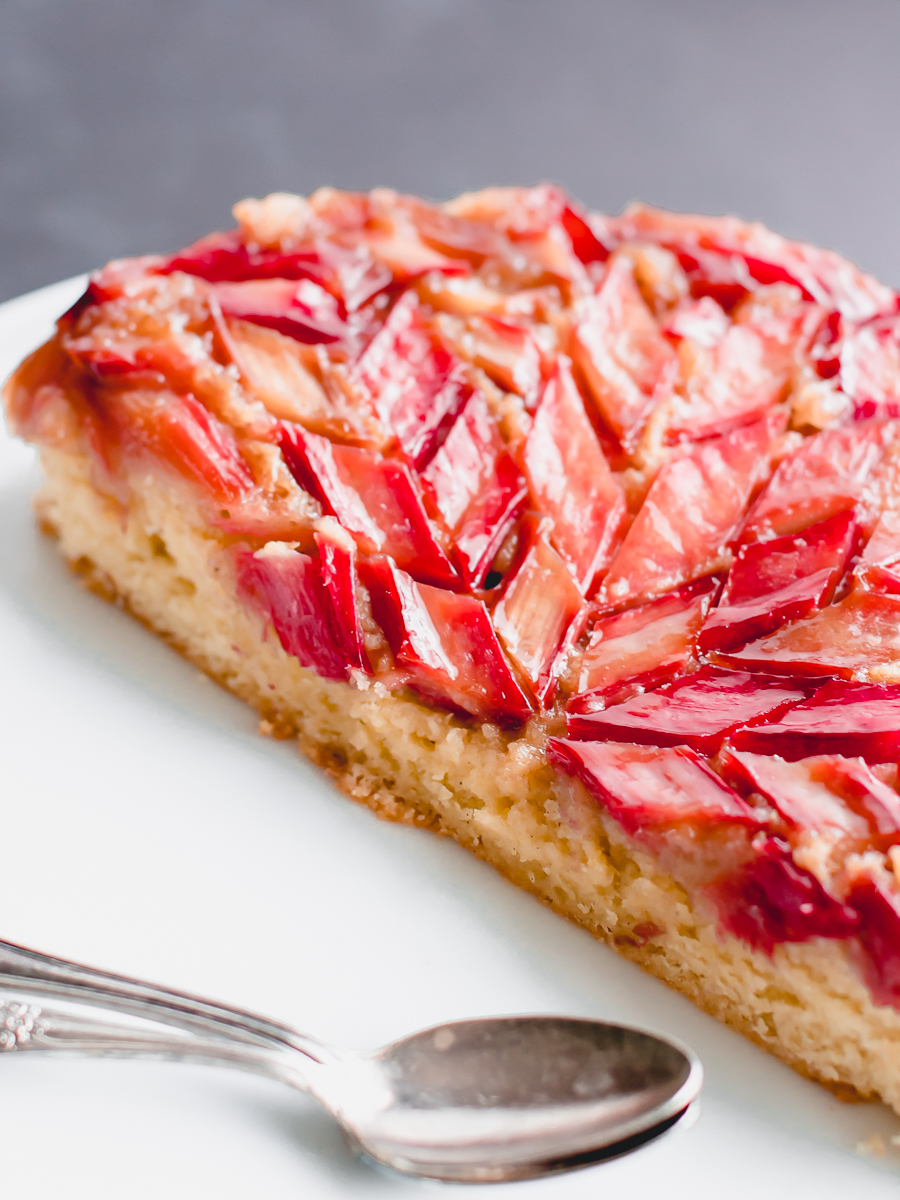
{"x":478,"y":1101}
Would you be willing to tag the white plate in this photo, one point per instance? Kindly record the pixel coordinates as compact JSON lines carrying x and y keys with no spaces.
{"x":146,"y":828}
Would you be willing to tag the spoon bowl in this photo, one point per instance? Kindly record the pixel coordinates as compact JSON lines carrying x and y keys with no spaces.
{"x":479,"y":1101}
{"x":504,"y":1098}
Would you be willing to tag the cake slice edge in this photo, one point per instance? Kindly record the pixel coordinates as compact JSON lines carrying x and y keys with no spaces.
{"x":493,"y":792}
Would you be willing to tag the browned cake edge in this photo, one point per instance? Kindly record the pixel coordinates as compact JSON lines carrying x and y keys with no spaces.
{"x":490,"y":791}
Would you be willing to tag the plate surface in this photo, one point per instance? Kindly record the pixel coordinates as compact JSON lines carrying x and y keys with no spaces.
{"x":145,"y":827}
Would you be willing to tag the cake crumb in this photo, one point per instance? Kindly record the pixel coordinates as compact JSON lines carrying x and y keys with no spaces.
{"x":873,"y":1146}
{"x":266,"y":729}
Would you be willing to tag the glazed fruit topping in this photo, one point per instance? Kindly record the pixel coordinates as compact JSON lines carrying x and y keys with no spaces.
{"x":857,"y":638}
{"x":302,"y":597}
{"x":690,"y":513}
{"x":375,"y":499}
{"x":842,"y":717}
{"x":638,"y":472}
{"x":476,"y":487}
{"x":570,"y":481}
{"x":446,"y":643}
{"x":771,"y":899}
{"x":646,"y":789}
{"x":411,"y":381}
{"x":826,"y":475}
{"x":619,"y":346}
{"x":540,"y":613}
{"x":700,"y":710}
{"x":641,"y":648}
{"x":774,"y":582}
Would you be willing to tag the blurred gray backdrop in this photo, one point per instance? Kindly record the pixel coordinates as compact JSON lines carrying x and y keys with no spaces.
{"x":129,"y":126}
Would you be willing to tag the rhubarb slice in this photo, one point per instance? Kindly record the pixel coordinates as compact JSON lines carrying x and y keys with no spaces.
{"x":621,"y":351}
{"x":539,"y":615}
{"x":349,"y":274}
{"x":841,"y":718}
{"x":304,"y":310}
{"x":508,"y":354}
{"x":771,"y":583}
{"x":571,"y":482}
{"x":690,"y":513}
{"x":771,"y":899}
{"x":374,"y":498}
{"x":824,"y":794}
{"x":734,"y":253}
{"x":640,"y":648}
{"x":731,"y":383}
{"x":699,"y":711}
{"x":337,"y":567}
{"x":870,"y":367}
{"x":447,"y":644}
{"x":857,"y":638}
{"x":286,"y":587}
{"x":875,"y":896}
{"x":646,"y":788}
{"x":476,"y":488}
{"x":411,"y":380}
{"x":825,"y":475}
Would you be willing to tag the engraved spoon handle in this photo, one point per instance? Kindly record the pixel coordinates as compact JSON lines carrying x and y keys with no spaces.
{"x":128,"y":1016}
{"x":27,"y":1024}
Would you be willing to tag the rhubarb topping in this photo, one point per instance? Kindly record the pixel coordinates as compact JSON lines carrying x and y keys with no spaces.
{"x":638,"y":472}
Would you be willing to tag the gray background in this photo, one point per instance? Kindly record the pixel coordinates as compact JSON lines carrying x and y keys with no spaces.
{"x":129,"y":126}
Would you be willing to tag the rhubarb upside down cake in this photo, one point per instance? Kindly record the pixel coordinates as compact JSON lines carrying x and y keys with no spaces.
{"x":574,"y":537}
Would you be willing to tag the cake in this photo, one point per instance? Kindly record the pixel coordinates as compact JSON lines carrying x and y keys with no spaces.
{"x":573,"y":537}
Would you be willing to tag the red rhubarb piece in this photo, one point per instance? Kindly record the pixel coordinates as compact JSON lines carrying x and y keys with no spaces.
{"x":179,"y":431}
{"x":794,"y":789}
{"x":350,"y":274}
{"x":508,"y":354}
{"x":640,"y":648}
{"x":699,"y":711}
{"x":750,"y":254}
{"x":539,"y":614}
{"x":447,"y":644}
{"x":825,"y":793}
{"x":304,"y":310}
{"x":702,"y":321}
{"x":454,"y":236}
{"x":476,"y":487}
{"x":571,"y":482}
{"x":337,"y":567}
{"x":374,"y":498}
{"x":411,"y":380}
{"x":646,"y":788}
{"x":771,"y":583}
{"x":825,"y":475}
{"x":225,"y":257}
{"x":621,"y":351}
{"x":726,"y":385}
{"x":406,"y":256}
{"x":771,"y":899}
{"x":879,"y":566}
{"x":841,"y":718}
{"x":286,"y":587}
{"x":857,"y":638}
{"x":875,"y":896}
{"x":689,"y":515}
{"x":870,"y":367}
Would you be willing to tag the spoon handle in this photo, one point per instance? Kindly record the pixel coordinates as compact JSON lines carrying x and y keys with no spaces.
{"x":29,"y":1024}
{"x":160,"y":1022}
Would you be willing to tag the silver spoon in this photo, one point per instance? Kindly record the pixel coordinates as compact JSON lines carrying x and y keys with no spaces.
{"x":478,"y":1101}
